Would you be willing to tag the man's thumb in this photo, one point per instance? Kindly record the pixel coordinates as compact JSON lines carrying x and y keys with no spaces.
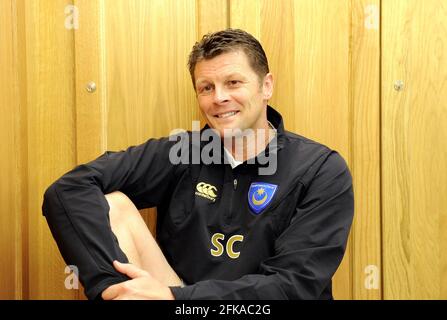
{"x":129,"y":269}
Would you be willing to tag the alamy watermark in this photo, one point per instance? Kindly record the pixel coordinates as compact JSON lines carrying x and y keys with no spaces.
{"x":72,"y":280}
{"x":245,"y":144}
{"x":372,"y":17}
{"x":372,"y":279}
{"x":72,"y":20}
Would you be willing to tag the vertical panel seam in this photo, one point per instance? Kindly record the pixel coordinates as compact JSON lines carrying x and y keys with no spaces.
{"x":382,"y":287}
{"x":103,"y":74}
{"x":350,"y":140}
{"x":75,"y":93}
{"x":228,"y":13}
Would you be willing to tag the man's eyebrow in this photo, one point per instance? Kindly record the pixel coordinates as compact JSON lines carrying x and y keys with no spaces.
{"x":235,"y":74}
{"x":230,"y":75}
{"x":200,"y":81}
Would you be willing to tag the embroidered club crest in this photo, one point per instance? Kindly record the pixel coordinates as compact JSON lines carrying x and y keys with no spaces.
{"x":260,"y":195}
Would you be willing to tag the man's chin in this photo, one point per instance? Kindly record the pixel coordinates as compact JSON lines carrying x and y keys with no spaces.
{"x":232,"y":133}
{"x":229,"y":131}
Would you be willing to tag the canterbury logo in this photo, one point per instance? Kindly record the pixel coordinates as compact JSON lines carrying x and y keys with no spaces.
{"x":206,"y":190}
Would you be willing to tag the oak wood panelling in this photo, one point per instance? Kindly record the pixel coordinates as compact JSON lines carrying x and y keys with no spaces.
{"x":365,"y":143}
{"x":212,"y":15}
{"x":51,"y":135}
{"x":414,"y":152}
{"x":12,"y":160}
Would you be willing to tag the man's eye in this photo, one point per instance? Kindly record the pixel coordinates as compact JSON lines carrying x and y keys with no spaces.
{"x":207,"y":88}
{"x":234,"y":82}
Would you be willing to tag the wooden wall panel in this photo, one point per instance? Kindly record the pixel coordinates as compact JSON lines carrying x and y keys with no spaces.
{"x":91,"y":137}
{"x":246,"y":15}
{"x":51,"y":135}
{"x":12,"y":164}
{"x":278,"y":32}
{"x":414,"y":135}
{"x":365,"y":138}
{"x":212,"y":15}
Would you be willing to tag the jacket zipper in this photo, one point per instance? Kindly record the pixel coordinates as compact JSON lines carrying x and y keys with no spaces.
{"x":230,"y":213}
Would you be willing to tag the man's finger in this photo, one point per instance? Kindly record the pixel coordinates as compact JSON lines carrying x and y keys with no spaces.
{"x":111,"y":292}
{"x":129,"y":269}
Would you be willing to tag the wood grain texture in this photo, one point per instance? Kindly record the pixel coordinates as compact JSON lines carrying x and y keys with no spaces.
{"x":12,"y":163}
{"x":212,"y":15}
{"x":91,"y":137}
{"x":414,"y":135}
{"x":246,"y":15}
{"x":51,"y":135}
{"x":365,"y":138}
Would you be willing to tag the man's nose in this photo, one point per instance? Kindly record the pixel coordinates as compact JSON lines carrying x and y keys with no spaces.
{"x":220,"y":95}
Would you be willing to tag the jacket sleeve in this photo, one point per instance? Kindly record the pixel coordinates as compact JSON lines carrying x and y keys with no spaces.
{"x":77,"y":211}
{"x":309,"y":250}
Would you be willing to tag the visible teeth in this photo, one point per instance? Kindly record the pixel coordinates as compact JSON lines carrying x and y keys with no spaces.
{"x":226,"y":115}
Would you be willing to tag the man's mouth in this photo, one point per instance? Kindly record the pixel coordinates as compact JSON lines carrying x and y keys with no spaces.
{"x":226,"y":114}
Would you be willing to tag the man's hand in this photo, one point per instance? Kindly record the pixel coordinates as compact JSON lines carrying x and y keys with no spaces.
{"x":142,"y":286}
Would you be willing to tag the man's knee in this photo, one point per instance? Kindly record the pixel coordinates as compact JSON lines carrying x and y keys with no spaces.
{"x":120,"y":205}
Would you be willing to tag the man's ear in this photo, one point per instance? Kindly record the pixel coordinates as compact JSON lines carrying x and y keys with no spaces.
{"x":267,"y":86}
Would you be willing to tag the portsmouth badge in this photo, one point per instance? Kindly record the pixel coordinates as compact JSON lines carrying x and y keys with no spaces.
{"x":260,"y":195}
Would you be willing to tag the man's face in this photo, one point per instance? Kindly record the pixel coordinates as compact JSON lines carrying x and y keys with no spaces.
{"x":230,"y":93}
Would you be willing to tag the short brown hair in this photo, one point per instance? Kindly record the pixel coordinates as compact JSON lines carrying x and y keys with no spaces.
{"x":216,"y":43}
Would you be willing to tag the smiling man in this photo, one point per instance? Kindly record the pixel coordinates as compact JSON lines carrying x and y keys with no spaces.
{"x":224,"y":230}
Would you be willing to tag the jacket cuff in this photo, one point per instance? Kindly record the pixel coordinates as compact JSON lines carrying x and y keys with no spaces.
{"x":179,"y":293}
